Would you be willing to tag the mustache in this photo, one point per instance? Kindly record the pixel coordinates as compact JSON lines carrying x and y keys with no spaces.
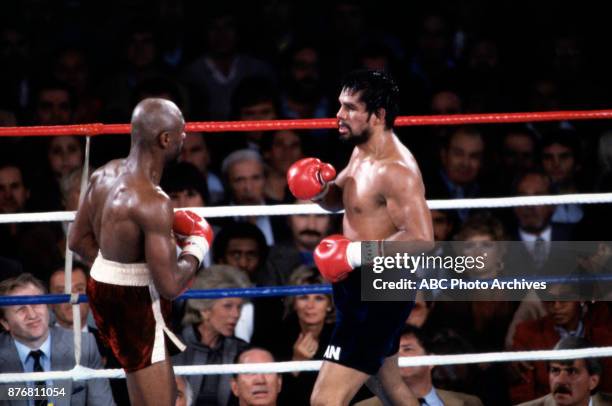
{"x":313,"y":233}
{"x":563,"y":389}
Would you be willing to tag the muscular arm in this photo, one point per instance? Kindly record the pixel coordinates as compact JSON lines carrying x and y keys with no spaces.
{"x":82,"y":239}
{"x":170,"y":276}
{"x":406,"y":205}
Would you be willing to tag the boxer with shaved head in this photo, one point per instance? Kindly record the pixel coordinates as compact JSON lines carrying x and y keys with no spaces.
{"x":126,"y":225}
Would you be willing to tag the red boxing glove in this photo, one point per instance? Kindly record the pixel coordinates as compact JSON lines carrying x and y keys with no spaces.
{"x":336,"y":256}
{"x":193,"y":234}
{"x":308,"y":177}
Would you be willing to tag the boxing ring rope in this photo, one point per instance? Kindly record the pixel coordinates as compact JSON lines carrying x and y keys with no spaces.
{"x":265,"y":291}
{"x":291,"y":209}
{"x":82,"y":373}
{"x":313,"y":124}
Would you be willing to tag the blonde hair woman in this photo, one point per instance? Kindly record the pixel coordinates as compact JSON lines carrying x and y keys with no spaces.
{"x":209,"y":326}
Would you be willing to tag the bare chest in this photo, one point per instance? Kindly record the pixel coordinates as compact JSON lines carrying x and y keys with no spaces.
{"x":363,"y":192}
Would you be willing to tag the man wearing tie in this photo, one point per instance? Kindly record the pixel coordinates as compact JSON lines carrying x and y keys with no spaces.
{"x":30,"y":345}
{"x":413,"y":343}
{"x":534,"y":226}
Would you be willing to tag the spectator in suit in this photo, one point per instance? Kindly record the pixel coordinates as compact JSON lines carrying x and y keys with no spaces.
{"x":243,"y":172}
{"x":573,"y":382}
{"x":461,"y":157}
{"x":561,"y":161}
{"x":534,"y":225}
{"x":256,"y":389}
{"x":413,"y":342}
{"x":30,"y":345}
{"x":307,"y":231}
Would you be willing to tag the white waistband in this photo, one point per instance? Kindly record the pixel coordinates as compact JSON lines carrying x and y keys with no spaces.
{"x":117,"y":273}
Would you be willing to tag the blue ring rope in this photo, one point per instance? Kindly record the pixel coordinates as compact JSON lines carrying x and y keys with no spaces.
{"x":265,"y":291}
{"x":269,"y":291}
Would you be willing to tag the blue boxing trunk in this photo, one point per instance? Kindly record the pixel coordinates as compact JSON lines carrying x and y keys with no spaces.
{"x":366,"y":332}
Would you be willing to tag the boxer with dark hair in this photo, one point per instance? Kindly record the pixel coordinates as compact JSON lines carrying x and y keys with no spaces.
{"x":382,"y":192}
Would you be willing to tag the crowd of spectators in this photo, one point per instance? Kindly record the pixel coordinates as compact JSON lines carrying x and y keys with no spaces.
{"x":83,"y":62}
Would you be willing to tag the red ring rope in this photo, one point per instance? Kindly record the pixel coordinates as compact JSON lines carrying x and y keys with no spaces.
{"x":310,"y":124}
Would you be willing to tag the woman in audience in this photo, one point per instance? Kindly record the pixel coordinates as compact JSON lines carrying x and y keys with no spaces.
{"x":304,"y":333}
{"x":208,"y":332}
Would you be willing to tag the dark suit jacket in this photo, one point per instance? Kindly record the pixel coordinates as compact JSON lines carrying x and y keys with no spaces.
{"x":282,"y":260}
{"x":86,"y":393}
{"x":520,"y":262}
{"x":280,"y":228}
{"x":9,"y":268}
{"x":559,"y":232}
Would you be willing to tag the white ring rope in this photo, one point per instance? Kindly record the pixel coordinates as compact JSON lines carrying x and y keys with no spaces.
{"x":82,"y":373}
{"x":290,"y":209}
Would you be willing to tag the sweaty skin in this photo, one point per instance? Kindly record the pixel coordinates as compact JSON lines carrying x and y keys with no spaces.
{"x":128,"y":218}
{"x":381,"y":188}
{"x":382,"y":193}
{"x":125,"y":214}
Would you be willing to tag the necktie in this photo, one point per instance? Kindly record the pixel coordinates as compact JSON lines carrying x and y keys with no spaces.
{"x":539,"y":252}
{"x":35,"y":355}
{"x":422,"y":402}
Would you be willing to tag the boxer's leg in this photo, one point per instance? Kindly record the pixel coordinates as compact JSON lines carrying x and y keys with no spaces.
{"x":153,"y":385}
{"x":336,"y":385}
